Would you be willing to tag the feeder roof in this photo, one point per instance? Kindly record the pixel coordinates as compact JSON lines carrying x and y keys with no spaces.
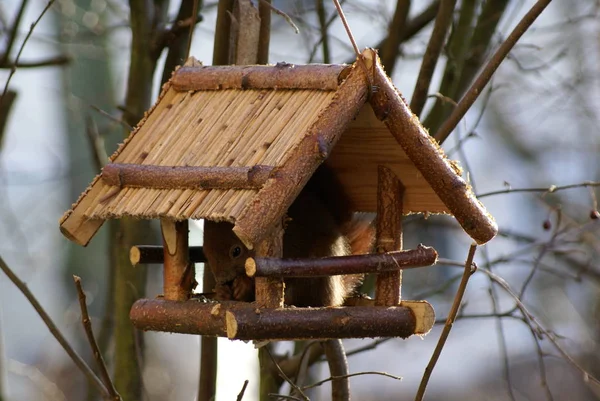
{"x":288,"y":119}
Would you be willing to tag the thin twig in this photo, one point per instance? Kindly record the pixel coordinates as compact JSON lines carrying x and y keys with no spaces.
{"x":443,"y":21}
{"x":242,"y":391}
{"x":347,"y":27}
{"x":539,"y":329}
{"x":112,"y":118}
{"x":96,"y":143}
{"x":486,"y":74}
{"x":351,"y":375}
{"x":374,"y":344}
{"x":14,"y":68}
{"x":84,"y":367}
{"x":305,"y":361}
{"x":545,"y":190}
{"x":285,"y":377}
{"x":49,"y":62}
{"x":469,"y":270}
{"x":286,"y":17}
{"x":87,"y":325}
{"x":285,"y":397}
{"x":502,"y":345}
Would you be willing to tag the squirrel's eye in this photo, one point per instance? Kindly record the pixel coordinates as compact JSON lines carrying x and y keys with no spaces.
{"x":235,"y":251}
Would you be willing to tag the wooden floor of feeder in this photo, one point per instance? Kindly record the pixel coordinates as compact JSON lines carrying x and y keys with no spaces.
{"x":245,"y":321}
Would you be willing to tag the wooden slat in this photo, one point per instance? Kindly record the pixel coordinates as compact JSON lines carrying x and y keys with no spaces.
{"x":366,"y":144}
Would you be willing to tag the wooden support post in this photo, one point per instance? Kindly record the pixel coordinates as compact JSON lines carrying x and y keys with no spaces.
{"x":390,"y":192}
{"x":178,"y":275}
{"x":269,"y":290}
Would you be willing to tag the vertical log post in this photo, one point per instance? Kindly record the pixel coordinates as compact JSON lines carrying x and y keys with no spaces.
{"x":269,"y":290}
{"x":390,"y":192}
{"x":178,"y":275}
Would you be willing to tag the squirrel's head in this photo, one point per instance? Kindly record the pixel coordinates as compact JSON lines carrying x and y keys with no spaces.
{"x":225,"y":253}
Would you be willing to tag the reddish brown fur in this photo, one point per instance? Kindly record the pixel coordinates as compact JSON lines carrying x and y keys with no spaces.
{"x":314,"y":230}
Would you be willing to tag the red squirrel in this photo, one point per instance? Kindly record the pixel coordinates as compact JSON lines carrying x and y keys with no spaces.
{"x":320,"y":223}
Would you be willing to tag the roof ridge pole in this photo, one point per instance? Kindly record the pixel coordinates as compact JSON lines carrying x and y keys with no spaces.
{"x":178,"y":277}
{"x":390,"y":193}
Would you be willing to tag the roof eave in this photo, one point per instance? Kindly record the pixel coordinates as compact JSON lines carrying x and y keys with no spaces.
{"x":272,"y":201}
{"x":428,"y":157}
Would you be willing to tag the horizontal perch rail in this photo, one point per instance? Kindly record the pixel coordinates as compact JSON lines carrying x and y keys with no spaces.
{"x":190,"y":317}
{"x":355,"y":264}
{"x":245,"y":321}
{"x":179,"y":177}
{"x":140,"y":254}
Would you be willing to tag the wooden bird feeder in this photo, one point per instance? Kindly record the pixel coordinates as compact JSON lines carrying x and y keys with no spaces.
{"x":238,"y":144}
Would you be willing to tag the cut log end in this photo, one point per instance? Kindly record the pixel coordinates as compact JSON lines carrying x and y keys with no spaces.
{"x":135,"y":255}
{"x":231,"y":325}
{"x":424,"y":316}
{"x":250,"y":267}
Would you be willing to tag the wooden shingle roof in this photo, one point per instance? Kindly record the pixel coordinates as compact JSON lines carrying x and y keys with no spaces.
{"x":286,"y":119}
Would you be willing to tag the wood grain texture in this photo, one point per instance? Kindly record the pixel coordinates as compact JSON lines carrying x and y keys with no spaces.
{"x":177,"y":277}
{"x":390,"y":194}
{"x":367,"y":144}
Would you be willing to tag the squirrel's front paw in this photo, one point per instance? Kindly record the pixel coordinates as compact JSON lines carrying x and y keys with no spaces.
{"x":243,"y":289}
{"x":223,"y":293}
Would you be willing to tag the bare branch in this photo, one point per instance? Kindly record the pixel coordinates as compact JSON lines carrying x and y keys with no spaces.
{"x":53,"y":61}
{"x":469,"y":270}
{"x":432,"y":54}
{"x":338,"y":367}
{"x":540,"y":330}
{"x":285,"y":377}
{"x":81,"y":364}
{"x":16,"y":63}
{"x":242,"y":391}
{"x":484,"y":77}
{"x":87,"y":325}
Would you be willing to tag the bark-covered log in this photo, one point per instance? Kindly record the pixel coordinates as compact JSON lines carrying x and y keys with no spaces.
{"x":178,"y":276}
{"x":179,"y":177}
{"x":154,"y":254}
{"x":354,"y":264}
{"x":245,"y":321}
{"x":390,"y":194}
{"x":280,"y":76}
{"x":191,"y":317}
{"x":311,"y":323}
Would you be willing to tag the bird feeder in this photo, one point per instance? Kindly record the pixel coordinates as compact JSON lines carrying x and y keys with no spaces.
{"x":238,"y":144}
